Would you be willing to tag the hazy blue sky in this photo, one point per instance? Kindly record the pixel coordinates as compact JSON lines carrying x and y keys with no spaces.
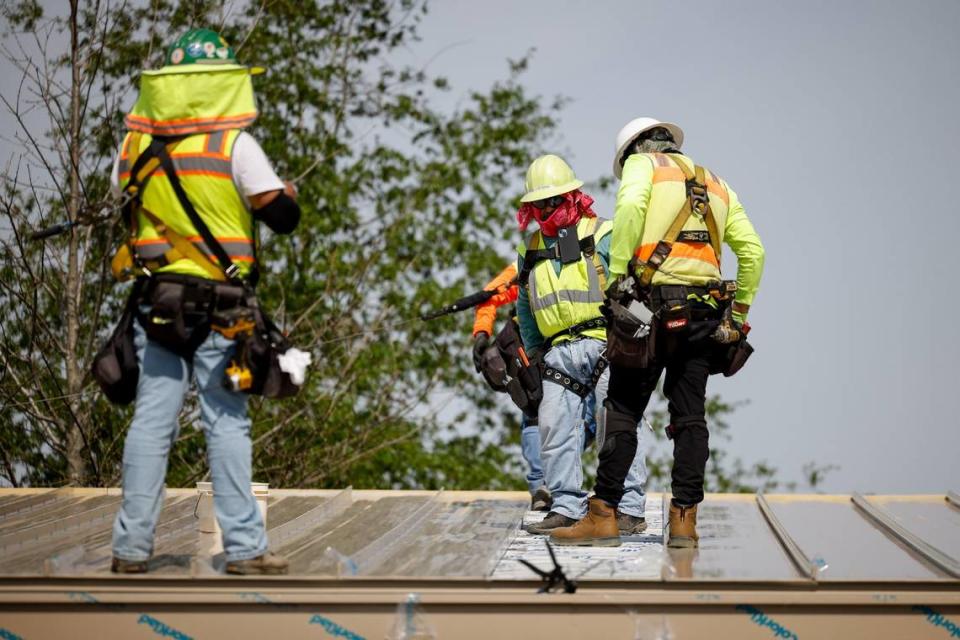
{"x":836,"y":123}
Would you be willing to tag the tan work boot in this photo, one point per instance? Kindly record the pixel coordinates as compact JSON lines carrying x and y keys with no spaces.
{"x":683,"y":527}
{"x":269,"y":564}
{"x":597,"y":529}
{"x":119,"y":565}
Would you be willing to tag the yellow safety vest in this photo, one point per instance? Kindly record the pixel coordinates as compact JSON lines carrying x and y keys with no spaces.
{"x":560,"y":301}
{"x":203,"y":163}
{"x":689,"y":262}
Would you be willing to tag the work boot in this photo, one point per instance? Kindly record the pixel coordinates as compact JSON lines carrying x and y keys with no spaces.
{"x":683,"y":527}
{"x":119,"y":565}
{"x":630,"y":525}
{"x":597,"y":529}
{"x":553,"y":521}
{"x":541,"y":500}
{"x":269,"y":564}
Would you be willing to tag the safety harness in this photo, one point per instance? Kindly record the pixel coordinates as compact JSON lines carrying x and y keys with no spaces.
{"x":143,"y":166}
{"x":697,"y":202}
{"x":588,"y":250}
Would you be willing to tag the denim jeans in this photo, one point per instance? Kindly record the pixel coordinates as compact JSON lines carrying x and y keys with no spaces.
{"x":565,"y":418}
{"x":164,"y":379}
{"x":530,"y":449}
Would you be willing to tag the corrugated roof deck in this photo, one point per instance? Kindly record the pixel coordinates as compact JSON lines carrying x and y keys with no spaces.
{"x":419,"y":534}
{"x":768,"y":566}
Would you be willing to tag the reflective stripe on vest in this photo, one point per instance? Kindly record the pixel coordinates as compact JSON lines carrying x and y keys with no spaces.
{"x":688,"y":262}
{"x":204,"y":166}
{"x":560,"y":301}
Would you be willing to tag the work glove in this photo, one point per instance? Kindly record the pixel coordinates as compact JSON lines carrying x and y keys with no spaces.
{"x":480,"y":343}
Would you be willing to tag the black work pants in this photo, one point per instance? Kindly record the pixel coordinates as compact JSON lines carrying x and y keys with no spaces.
{"x":687,"y":366}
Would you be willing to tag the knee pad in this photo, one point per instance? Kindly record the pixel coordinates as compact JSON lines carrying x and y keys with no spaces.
{"x":683,"y":422}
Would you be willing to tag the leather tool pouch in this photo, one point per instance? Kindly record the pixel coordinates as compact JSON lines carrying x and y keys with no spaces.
{"x":115,"y":367}
{"x":733,"y":357}
{"x":176,"y":318}
{"x":525,"y":382}
{"x":624,"y":348}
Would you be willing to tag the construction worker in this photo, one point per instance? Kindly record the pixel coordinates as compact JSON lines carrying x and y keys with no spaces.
{"x":505,"y":285}
{"x":562,"y":270}
{"x":206,"y":173}
{"x":671,"y":217}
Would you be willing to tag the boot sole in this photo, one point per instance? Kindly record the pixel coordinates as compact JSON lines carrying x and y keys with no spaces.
{"x":587,"y":542}
{"x":682,"y":542}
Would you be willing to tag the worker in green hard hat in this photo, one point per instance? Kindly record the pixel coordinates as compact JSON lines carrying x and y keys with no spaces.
{"x":562,"y":271}
{"x":192,"y":249}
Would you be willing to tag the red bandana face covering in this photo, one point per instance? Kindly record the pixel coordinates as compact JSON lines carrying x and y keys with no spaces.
{"x":576,"y":204}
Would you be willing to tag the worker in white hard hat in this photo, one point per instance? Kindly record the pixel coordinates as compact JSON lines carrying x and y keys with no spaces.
{"x":562,"y":273}
{"x":670,"y":311}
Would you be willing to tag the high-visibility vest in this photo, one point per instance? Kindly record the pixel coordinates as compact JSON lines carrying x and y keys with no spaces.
{"x":572,"y":297}
{"x":203,"y":164}
{"x":690,"y":263}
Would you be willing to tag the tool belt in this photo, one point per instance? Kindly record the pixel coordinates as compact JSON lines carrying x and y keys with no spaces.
{"x":179,"y":309}
{"x":577,"y":329}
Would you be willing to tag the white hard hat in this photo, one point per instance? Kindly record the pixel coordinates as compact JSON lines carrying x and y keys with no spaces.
{"x":634,"y":128}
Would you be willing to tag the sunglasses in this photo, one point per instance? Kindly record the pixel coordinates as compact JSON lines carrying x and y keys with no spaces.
{"x":553,"y":202}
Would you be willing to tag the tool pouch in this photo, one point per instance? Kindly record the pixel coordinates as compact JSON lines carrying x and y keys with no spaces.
{"x":735,"y":356}
{"x":174,"y":320}
{"x":524,"y":381}
{"x":624,"y":347}
{"x":494,"y":368}
{"x":258,"y":352}
{"x":115,"y":367}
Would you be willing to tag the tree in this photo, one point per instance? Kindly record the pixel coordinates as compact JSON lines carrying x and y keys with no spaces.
{"x":405,"y":206}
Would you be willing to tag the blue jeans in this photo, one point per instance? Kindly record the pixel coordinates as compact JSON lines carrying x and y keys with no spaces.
{"x":530,"y":449}
{"x":564,"y":422}
{"x":164,"y":379}
{"x":530,"y":445}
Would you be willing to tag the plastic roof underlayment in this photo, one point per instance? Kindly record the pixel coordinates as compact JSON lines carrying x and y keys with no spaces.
{"x":766,"y":564}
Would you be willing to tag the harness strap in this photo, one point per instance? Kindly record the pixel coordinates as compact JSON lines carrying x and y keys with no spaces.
{"x":567,"y":381}
{"x":588,"y":248}
{"x":230,"y":270}
{"x":181,"y":248}
{"x":595,"y":323}
{"x":697,"y":201}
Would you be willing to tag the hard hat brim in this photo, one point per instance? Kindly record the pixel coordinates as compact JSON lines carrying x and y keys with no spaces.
{"x":549,"y":192}
{"x":201,"y":68}
{"x":674,"y":130}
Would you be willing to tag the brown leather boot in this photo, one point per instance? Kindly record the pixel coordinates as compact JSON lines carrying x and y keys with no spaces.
{"x":597,"y":529}
{"x":119,"y":565}
{"x":269,"y":564}
{"x":683,"y":527}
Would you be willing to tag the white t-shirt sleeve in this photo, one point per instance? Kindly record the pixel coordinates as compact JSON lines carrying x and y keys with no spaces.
{"x":252,"y":171}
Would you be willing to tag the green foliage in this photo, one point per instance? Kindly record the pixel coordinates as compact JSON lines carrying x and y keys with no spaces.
{"x":405,"y":207}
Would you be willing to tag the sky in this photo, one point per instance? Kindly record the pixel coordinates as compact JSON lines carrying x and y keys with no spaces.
{"x":836,"y":124}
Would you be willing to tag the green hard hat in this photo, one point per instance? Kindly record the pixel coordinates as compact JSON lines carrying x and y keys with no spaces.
{"x":203,"y":46}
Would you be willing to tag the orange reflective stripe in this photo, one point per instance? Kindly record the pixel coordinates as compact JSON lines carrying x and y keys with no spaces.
{"x":174,"y":127}
{"x":701,"y":251}
{"x":673,"y":174}
{"x":668,"y":174}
